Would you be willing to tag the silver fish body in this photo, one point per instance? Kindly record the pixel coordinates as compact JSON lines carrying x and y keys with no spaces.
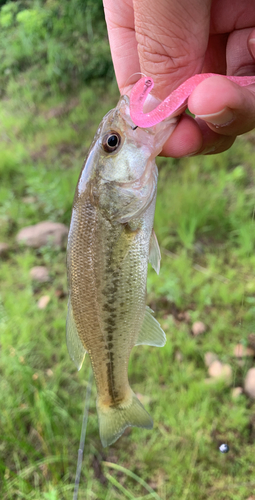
{"x":110,"y":242}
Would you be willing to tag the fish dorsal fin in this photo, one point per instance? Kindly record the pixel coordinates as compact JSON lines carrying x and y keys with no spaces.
{"x":151,"y":332}
{"x":74,"y":345}
{"x":154,"y":255}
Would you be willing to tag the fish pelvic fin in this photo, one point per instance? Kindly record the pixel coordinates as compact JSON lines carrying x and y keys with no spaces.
{"x":113,"y":420}
{"x":154,"y":252}
{"x":151,"y":332}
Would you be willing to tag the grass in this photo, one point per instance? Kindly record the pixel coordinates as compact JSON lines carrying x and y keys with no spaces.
{"x":205,"y":225}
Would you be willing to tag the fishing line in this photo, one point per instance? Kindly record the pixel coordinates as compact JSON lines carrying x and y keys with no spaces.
{"x":131,"y":76}
{"x":83,"y":434}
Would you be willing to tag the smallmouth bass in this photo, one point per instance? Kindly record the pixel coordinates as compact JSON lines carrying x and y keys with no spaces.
{"x":110,"y":242}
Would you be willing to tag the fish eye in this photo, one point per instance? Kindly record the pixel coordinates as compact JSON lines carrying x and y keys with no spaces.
{"x":111,"y":141}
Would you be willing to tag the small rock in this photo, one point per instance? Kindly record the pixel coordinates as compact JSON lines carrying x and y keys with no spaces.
{"x":4,"y":249}
{"x":49,"y":372}
{"x":42,"y":233}
{"x":29,"y":199}
{"x":220,"y":371}
{"x":39,"y":273}
{"x":215,"y":368}
{"x":198,"y":328}
{"x":241,"y":352}
{"x":249,"y":383}
{"x":236,"y":392}
{"x":210,"y":357}
{"x":43,"y":301}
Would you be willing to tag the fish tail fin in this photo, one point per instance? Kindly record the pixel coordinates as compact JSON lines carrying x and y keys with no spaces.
{"x":113,"y":420}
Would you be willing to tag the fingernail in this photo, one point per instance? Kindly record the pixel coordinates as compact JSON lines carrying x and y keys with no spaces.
{"x":208,"y":151}
{"x":220,"y":119}
{"x":191,"y":154}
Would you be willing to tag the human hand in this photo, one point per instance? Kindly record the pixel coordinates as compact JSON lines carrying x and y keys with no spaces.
{"x":172,"y":40}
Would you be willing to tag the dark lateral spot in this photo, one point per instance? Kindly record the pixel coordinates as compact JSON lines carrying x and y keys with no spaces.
{"x":108,"y":307}
{"x":110,"y":379}
{"x":109,"y":338}
{"x":111,"y":301}
{"x":109,"y":330}
{"x":111,"y":290}
{"x":110,"y":345}
{"x":113,"y":314}
{"x":110,"y":322}
{"x":109,"y":269}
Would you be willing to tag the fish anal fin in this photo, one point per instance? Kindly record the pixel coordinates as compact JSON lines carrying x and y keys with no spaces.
{"x":154,"y":254}
{"x":74,"y":345}
{"x":113,"y":420}
{"x":151,"y":332}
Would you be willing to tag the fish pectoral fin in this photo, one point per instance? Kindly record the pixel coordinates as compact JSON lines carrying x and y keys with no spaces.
{"x":74,"y":345}
{"x":125,"y":242}
{"x":154,"y":252}
{"x":151,"y":332}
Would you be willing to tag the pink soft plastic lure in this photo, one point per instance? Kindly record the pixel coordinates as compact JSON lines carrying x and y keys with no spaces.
{"x":176,"y":101}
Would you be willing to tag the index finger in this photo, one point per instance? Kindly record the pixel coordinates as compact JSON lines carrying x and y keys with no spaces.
{"x":119,"y":17}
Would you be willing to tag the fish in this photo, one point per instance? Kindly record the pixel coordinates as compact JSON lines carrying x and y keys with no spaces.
{"x":110,"y":243}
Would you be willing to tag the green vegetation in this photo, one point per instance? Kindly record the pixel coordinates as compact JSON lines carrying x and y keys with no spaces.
{"x":60,"y":44}
{"x":205,"y":226}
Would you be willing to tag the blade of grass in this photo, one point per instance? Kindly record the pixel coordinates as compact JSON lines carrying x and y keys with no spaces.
{"x":119,"y":468}
{"x":119,"y":486}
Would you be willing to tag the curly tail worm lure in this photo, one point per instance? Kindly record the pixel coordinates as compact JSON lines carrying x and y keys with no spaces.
{"x":175,"y":102}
